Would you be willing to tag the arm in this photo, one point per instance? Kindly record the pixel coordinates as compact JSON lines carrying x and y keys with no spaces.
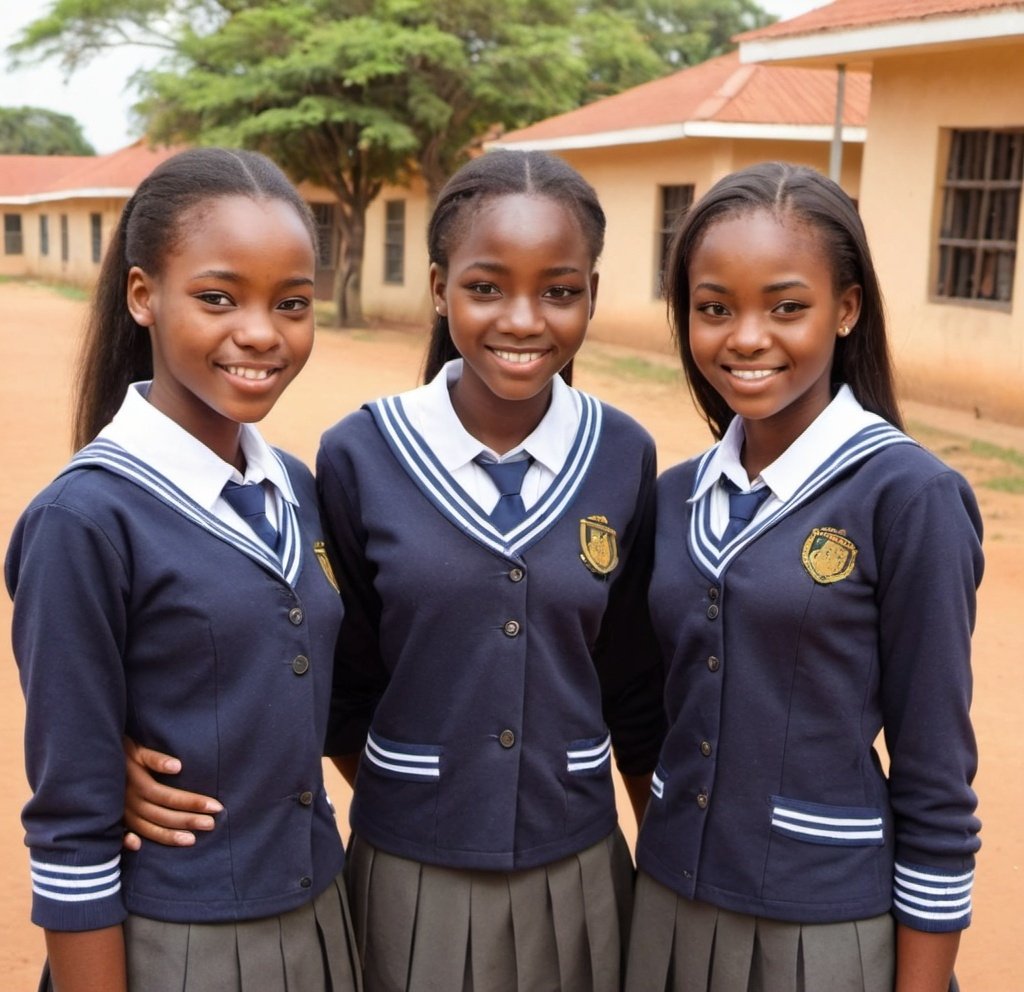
{"x":360,"y":677}
{"x":924,"y":961}
{"x":348,"y":765}
{"x":90,"y":961}
{"x":627,"y":657}
{"x":156,"y":812}
{"x":930,"y":564}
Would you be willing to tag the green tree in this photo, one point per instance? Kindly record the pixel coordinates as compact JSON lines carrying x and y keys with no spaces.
{"x":37,"y":131}
{"x":353,"y":94}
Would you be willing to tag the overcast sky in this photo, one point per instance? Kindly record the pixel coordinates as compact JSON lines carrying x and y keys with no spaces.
{"x":98,"y":96}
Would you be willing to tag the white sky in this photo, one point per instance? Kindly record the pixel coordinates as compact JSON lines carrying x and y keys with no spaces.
{"x":98,"y":96}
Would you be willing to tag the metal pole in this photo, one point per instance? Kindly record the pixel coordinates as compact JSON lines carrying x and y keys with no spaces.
{"x":835,"y":162}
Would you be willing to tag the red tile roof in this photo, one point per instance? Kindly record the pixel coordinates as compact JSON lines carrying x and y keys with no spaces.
{"x":719,"y":90}
{"x":63,"y":175}
{"x":870,"y":13}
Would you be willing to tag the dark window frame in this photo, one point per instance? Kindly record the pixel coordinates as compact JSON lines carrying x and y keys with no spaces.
{"x":96,"y":236}
{"x":65,"y":238}
{"x":324,"y":216}
{"x":673,"y":202}
{"x":394,"y":242}
{"x":979,"y":217}
{"x":44,"y":235}
{"x":14,"y":235}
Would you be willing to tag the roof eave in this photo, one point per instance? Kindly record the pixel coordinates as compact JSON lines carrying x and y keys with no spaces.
{"x":688,"y":129}
{"x":857,"y":47}
{"x":97,"y":193}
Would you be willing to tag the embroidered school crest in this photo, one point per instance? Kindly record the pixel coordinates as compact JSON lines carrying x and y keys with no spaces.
{"x":599,"y":547}
{"x":320,"y":550}
{"x":828,"y":555}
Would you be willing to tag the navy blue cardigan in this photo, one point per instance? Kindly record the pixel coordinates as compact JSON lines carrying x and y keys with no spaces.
{"x":850,"y":611}
{"x":136,"y":611}
{"x":484,"y":672}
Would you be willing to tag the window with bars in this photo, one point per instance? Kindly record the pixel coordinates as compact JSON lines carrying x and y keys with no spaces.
{"x":13,"y":243}
{"x":326,"y":228}
{"x":44,"y":235}
{"x":675,"y":201}
{"x":96,"y":235}
{"x":981,"y":196}
{"x":394,"y":242}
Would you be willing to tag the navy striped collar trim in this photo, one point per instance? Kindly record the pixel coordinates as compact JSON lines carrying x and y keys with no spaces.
{"x":452,"y":501}
{"x":713,"y":560}
{"x":112,"y":457}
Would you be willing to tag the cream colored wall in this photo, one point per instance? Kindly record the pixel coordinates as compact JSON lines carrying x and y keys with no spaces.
{"x":410,"y":301}
{"x":628,"y":180}
{"x":959,"y":353}
{"x":79,"y":269}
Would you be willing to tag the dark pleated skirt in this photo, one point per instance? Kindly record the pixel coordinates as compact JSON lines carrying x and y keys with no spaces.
{"x":425,"y":928}
{"x":678,"y":945}
{"x":310,"y":949}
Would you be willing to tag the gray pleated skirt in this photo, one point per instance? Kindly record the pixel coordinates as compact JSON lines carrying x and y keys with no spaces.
{"x":310,"y":949}
{"x":425,"y":928}
{"x":678,"y":945}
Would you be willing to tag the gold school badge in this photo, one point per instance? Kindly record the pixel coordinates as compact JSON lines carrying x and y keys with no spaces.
{"x":599,"y":547}
{"x":828,"y":555}
{"x":320,"y":550}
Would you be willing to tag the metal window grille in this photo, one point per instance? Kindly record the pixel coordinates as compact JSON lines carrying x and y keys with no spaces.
{"x":394,"y":242}
{"x":981,"y":196}
{"x":326,"y":228}
{"x":675,"y":201}
{"x":13,"y":242}
{"x":44,"y":235}
{"x":96,"y":236}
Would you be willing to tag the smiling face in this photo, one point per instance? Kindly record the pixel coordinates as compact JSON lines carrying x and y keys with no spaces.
{"x":764,"y":318}
{"x":230,"y":315}
{"x":518,"y":293}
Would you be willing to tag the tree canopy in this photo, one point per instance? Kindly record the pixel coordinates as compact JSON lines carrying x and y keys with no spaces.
{"x":352,"y":94}
{"x":37,"y":131}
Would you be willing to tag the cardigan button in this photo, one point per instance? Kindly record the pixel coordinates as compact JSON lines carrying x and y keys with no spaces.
{"x":511,"y":628}
{"x":712,"y":611}
{"x":300,"y":664}
{"x":702,"y":800}
{"x":295,"y":615}
{"x":506,"y":739}
{"x":705,"y":748}
{"x":306,"y":798}
{"x":305,"y":881}
{"x":713,"y":664}
{"x":713,"y":593}
{"x":516,"y":575}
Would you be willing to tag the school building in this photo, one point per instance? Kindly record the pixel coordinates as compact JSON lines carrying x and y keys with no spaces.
{"x":60,"y":212}
{"x":915,"y":108}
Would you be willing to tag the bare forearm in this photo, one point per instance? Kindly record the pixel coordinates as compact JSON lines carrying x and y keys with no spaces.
{"x":924,"y":961}
{"x":90,"y":961}
{"x":348,"y":765}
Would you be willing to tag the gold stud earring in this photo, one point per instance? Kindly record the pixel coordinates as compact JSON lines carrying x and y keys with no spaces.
{"x":844,"y":330}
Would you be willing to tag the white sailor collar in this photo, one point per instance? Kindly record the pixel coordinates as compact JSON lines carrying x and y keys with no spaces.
{"x":430,"y":411}
{"x":152,"y":437}
{"x":831,"y":430}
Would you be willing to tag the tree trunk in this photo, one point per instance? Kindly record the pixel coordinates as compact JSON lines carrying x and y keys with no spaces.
{"x":348,"y":278}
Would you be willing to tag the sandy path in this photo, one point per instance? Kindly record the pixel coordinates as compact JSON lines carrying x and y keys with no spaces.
{"x":39,"y":330}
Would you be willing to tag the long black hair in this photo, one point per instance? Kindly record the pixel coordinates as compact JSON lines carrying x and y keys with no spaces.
{"x":116,"y":350}
{"x":862,"y":358}
{"x":503,"y":173}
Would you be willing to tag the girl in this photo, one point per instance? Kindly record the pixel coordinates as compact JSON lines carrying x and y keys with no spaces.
{"x":148,"y":601}
{"x":494,"y":648}
{"x":814,"y":584}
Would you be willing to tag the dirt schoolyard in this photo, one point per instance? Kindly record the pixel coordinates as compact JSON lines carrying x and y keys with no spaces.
{"x":40,"y":333}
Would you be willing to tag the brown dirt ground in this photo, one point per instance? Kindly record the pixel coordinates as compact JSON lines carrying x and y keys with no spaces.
{"x":39,"y":333}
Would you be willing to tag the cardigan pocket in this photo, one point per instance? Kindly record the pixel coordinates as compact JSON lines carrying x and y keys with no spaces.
{"x":590,"y":756}
{"x":816,"y":823}
{"x":408,"y":762}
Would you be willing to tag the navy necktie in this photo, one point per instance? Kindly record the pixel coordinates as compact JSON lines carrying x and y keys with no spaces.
{"x":508,"y":477}
{"x":742,"y":509}
{"x":250,"y":503}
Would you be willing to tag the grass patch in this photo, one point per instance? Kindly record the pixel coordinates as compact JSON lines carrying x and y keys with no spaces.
{"x":983,"y":462}
{"x":1007,"y":484}
{"x":1009,"y":455}
{"x":65,"y":289}
{"x":633,"y":367}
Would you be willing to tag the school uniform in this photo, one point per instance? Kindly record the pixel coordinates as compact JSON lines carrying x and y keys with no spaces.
{"x":489,"y":676}
{"x":844,"y":607}
{"x":143,"y":605}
